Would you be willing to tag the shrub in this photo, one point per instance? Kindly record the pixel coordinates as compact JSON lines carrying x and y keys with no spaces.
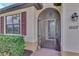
{"x":11,"y":45}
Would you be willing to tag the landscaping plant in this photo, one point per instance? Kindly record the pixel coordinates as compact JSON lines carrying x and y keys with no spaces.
{"x":11,"y":45}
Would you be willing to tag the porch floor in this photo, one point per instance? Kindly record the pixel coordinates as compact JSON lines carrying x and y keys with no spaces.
{"x":46,"y":52}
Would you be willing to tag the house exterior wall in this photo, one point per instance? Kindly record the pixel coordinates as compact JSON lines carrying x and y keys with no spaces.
{"x":31,"y":38}
{"x":70,"y":37}
{"x":29,"y":17}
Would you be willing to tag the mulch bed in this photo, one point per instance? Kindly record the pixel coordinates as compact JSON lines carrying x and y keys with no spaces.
{"x":27,"y":52}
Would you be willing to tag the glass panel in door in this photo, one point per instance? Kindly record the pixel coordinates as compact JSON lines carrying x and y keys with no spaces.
{"x":51,"y":29}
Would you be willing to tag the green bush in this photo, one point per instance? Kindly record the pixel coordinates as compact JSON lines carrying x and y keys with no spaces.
{"x":11,"y":45}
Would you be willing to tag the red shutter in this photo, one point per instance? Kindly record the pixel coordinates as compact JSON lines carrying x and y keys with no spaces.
{"x":23,"y":23}
{"x":2,"y":24}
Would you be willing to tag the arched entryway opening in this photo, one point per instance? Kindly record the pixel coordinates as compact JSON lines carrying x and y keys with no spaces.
{"x":49,"y":29}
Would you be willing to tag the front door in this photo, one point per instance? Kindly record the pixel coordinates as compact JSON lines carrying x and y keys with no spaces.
{"x":49,"y":33}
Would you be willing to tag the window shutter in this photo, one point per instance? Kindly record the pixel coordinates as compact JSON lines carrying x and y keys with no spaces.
{"x":2,"y":24}
{"x":23,"y":23}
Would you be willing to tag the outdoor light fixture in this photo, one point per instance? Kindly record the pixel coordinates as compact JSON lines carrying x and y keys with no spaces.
{"x":74,"y":16}
{"x":57,"y":4}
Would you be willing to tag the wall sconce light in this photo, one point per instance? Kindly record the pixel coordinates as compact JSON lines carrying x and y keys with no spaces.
{"x":57,"y":4}
{"x":74,"y":16}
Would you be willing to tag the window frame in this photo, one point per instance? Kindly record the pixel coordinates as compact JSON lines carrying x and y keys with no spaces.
{"x":13,"y":24}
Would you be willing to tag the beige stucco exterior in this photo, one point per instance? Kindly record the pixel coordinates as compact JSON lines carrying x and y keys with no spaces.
{"x":30,"y":37}
{"x":32,"y":18}
{"x":69,"y":37}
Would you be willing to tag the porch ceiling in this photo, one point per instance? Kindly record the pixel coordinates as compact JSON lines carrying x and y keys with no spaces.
{"x":17,"y":6}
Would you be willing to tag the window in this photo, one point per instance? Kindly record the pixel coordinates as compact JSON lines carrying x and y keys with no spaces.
{"x":13,"y":24}
{"x":51,"y":29}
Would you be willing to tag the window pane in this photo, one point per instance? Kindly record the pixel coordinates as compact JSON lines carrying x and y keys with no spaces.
{"x":16,"y":19}
{"x":13,"y":24}
{"x":9,"y":29}
{"x":51,"y":29}
{"x":9,"y":19}
{"x":16,"y":29}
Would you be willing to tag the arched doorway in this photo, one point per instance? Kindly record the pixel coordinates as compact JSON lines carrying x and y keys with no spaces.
{"x":49,"y":29}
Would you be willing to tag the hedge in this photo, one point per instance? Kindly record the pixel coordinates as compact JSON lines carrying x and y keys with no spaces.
{"x":11,"y":45}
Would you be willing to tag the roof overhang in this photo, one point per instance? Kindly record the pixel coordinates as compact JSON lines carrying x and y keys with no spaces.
{"x":17,"y":6}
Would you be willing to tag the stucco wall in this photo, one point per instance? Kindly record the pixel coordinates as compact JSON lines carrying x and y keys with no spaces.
{"x":70,"y":37}
{"x":30,"y":22}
